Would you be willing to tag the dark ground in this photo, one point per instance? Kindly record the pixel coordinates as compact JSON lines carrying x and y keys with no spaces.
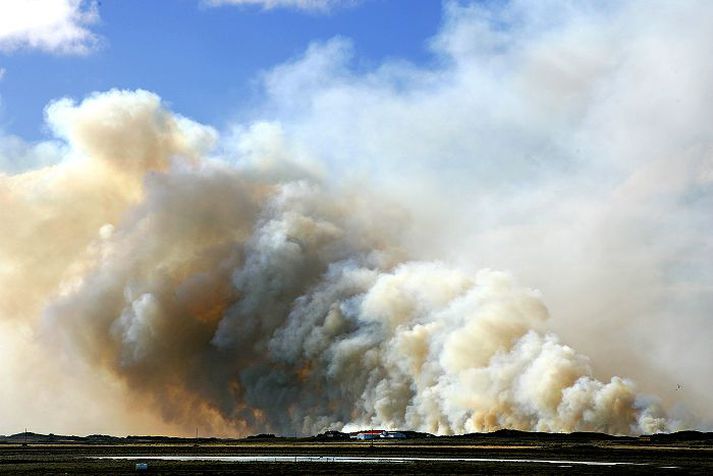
{"x":688,"y":453}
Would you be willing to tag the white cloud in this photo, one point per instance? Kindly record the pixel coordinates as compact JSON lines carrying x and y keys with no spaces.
{"x":312,"y":5}
{"x":56,"y":26}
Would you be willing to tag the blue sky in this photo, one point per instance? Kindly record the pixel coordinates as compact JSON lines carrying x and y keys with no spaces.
{"x":204,"y":61}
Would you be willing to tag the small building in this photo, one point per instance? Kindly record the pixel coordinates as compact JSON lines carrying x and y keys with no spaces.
{"x":368,"y":435}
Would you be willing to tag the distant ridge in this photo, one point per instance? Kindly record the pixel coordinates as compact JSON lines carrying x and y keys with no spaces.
{"x":503,"y":435}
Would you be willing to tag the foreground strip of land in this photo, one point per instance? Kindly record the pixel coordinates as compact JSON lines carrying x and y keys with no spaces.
{"x":494,"y":453}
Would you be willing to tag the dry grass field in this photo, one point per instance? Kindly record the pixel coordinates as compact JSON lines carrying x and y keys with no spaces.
{"x":495,"y":453}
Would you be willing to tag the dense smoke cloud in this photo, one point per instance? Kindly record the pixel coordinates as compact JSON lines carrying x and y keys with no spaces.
{"x":330,"y":266}
{"x":568,"y":144}
{"x":233,"y":298}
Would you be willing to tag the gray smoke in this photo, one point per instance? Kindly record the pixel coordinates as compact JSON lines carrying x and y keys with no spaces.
{"x":280,"y":306}
{"x":244,"y":299}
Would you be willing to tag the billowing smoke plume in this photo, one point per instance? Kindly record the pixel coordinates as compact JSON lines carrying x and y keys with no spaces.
{"x":331,"y":266}
{"x":249,"y":299}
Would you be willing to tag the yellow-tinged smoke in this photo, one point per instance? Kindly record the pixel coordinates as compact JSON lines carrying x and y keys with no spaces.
{"x":260,"y":297}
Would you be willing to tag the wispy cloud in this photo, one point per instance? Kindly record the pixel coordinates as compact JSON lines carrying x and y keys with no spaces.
{"x":309,"y":5}
{"x":55,"y":26}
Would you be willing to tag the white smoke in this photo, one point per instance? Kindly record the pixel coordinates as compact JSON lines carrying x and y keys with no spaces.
{"x":569,"y":144}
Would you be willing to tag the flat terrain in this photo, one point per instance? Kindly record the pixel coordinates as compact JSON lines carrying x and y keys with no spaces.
{"x":504,"y":452}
